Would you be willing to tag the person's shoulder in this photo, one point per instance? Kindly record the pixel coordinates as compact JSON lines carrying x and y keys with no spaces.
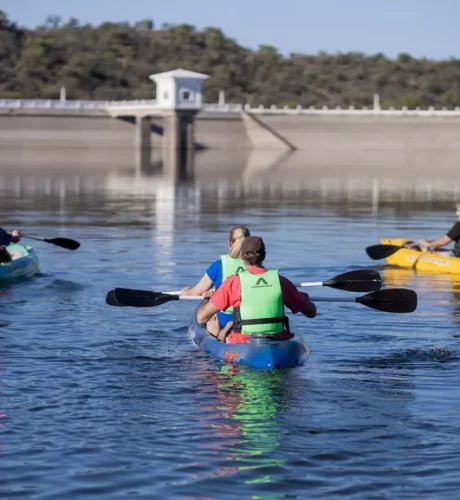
{"x":283,"y":279}
{"x":228,"y":287}
{"x":215,"y":265}
{"x":455,"y":228}
{"x":231,"y":280}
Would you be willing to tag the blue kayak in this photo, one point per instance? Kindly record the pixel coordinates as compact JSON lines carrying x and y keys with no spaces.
{"x":24,"y":264}
{"x":261,"y":354}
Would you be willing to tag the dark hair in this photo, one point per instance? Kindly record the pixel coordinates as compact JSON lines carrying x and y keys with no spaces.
{"x":254,"y":258}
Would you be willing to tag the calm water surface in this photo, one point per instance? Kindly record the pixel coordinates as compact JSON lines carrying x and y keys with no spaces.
{"x":101,"y":402}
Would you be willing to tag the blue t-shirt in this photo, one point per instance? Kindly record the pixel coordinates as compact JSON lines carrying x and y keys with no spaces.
{"x":215,"y":274}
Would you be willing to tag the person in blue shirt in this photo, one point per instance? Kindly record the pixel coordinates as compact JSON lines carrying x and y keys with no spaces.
{"x":5,"y":239}
{"x":228,"y":265}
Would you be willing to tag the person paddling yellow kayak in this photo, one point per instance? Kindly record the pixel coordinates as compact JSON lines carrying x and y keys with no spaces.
{"x":452,"y":235}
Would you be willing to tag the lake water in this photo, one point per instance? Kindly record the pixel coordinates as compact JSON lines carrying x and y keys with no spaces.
{"x":104,"y":402}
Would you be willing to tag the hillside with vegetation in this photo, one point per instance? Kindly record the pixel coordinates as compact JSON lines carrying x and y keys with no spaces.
{"x":114,"y":60}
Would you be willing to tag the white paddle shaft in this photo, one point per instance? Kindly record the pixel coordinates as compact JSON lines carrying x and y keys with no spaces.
{"x":184,"y":297}
{"x":313,"y":299}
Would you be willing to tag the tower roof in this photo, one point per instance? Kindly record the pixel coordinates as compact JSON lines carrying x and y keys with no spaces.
{"x":179,"y":73}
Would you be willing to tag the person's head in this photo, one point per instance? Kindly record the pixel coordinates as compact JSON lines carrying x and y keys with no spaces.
{"x":235,"y":240}
{"x":253,"y":251}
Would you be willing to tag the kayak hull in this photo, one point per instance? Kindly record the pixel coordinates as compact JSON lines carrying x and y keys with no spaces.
{"x":260,"y":354}
{"x":421,"y":261}
{"x":24,"y":264}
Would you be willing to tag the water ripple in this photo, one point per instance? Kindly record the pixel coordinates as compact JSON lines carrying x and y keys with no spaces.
{"x":98,"y":401}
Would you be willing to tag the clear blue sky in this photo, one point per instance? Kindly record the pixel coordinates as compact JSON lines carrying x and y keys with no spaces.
{"x":420,"y":27}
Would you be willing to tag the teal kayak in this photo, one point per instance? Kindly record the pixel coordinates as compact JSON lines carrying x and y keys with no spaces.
{"x":24,"y":264}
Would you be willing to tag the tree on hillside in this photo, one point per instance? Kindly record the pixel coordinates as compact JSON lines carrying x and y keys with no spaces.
{"x":114,"y":60}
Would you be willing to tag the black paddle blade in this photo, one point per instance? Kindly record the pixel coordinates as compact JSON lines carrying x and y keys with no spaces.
{"x":363,"y":280}
{"x":377,"y":252}
{"x":111,"y":300}
{"x":142,"y":298}
{"x":64,"y":243}
{"x":394,"y":300}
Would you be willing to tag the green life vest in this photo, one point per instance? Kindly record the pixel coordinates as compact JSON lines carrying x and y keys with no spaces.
{"x":261,"y":310}
{"x":231,"y":266}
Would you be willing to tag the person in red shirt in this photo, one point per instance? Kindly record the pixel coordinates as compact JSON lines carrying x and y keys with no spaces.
{"x":230,"y":292}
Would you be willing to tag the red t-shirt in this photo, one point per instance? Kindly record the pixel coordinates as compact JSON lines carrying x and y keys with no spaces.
{"x":229,"y":293}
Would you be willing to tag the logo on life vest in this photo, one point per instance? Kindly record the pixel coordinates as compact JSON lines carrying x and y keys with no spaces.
{"x":239,"y":270}
{"x":260,"y":285}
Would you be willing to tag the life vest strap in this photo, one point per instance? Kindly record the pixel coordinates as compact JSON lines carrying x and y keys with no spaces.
{"x":262,"y":321}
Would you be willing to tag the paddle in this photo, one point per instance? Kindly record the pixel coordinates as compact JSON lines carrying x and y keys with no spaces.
{"x":395,"y":300}
{"x":364,"y":280}
{"x":376,"y":252}
{"x":111,"y":300}
{"x":66,"y":243}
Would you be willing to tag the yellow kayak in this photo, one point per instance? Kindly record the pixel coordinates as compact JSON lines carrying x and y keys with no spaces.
{"x":439,"y":262}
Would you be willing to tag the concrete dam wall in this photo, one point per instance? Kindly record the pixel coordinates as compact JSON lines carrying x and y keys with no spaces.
{"x":359,"y":141}
{"x":105,"y":132}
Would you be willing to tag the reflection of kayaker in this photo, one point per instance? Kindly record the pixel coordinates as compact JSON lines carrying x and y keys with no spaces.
{"x":257,"y":297}
{"x":219,"y":271}
{"x":452,"y":235}
{"x":245,"y":421}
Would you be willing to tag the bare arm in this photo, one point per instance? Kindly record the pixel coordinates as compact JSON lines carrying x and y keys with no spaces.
{"x":200,"y":288}
{"x":438,"y":242}
{"x":205,"y":312}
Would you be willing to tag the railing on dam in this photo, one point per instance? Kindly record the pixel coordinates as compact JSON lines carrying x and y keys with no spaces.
{"x":50,"y":104}
{"x":145,"y":104}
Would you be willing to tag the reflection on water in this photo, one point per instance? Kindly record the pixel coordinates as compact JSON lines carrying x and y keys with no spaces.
{"x":353,"y":192}
{"x":431,"y":285}
{"x":246,"y":420}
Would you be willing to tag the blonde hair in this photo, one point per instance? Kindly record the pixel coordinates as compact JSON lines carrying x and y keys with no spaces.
{"x":235,"y":240}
